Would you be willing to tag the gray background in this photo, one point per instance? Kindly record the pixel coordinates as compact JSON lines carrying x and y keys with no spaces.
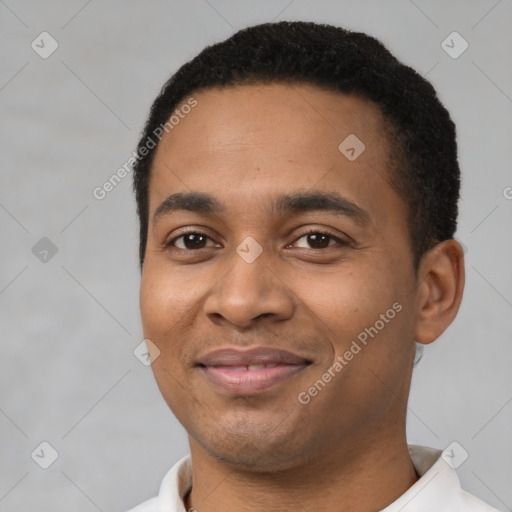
{"x":70,"y":324}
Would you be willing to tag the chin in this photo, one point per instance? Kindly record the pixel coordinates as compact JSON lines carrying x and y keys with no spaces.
{"x":254,"y":452}
{"x":262,"y":461}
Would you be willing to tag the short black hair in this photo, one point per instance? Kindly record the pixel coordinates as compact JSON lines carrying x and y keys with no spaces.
{"x":424,"y":167}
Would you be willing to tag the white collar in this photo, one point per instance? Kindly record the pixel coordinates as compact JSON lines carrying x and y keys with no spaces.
{"x":438,"y":487}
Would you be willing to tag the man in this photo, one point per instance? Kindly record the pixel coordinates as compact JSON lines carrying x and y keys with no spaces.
{"x":297,"y":193}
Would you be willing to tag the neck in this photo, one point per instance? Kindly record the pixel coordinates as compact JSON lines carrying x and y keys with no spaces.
{"x":368,"y":477}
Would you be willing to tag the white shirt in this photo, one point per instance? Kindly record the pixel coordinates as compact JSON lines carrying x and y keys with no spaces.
{"x":437,"y":490}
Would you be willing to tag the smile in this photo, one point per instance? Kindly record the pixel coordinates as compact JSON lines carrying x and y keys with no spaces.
{"x":251,"y":371}
{"x":250,"y":379}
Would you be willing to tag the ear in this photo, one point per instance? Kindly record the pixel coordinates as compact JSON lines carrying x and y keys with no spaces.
{"x":441,"y":279}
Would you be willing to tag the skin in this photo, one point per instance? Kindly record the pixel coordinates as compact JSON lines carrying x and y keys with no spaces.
{"x":245,"y":146}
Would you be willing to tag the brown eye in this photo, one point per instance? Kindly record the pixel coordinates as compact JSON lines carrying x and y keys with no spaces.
{"x":189,"y":241}
{"x":319,"y":240}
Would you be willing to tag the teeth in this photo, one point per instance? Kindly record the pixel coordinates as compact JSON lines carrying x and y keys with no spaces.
{"x":253,"y":367}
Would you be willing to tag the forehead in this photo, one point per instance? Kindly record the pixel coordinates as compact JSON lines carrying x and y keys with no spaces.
{"x":292,"y":115}
{"x":262,"y":139}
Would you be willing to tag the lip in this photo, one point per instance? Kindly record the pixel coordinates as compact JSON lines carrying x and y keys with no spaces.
{"x":230,"y":368}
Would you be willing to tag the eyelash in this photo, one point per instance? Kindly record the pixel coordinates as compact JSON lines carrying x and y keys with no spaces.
{"x":341,"y":242}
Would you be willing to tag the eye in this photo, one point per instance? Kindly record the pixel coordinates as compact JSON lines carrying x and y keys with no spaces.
{"x":320,"y":240}
{"x":313,"y":239}
{"x":189,"y":241}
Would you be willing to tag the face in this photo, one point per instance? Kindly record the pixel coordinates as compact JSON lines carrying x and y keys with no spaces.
{"x":278,"y":282}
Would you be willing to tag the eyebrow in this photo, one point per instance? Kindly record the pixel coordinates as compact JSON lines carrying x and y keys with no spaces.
{"x":329,"y":202}
{"x":192,"y":202}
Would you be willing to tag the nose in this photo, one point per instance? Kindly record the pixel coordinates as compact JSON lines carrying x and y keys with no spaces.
{"x":250,"y":293}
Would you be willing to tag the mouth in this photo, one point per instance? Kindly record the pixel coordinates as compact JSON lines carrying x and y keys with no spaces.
{"x":248,"y":372}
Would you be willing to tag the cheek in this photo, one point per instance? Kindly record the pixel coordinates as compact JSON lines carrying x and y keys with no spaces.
{"x":363,"y":313}
{"x":152,"y":301}
{"x":163,"y":316}
{"x":346,"y":300}
{"x":160,"y":306}
{"x":170,"y":302}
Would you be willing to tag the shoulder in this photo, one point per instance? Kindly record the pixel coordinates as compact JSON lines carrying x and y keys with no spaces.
{"x":438,"y":487}
{"x":471,"y":503}
{"x":175,"y":484}
{"x":148,"y":506}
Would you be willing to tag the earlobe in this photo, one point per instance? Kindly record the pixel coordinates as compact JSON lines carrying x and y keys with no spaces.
{"x":441,"y":284}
